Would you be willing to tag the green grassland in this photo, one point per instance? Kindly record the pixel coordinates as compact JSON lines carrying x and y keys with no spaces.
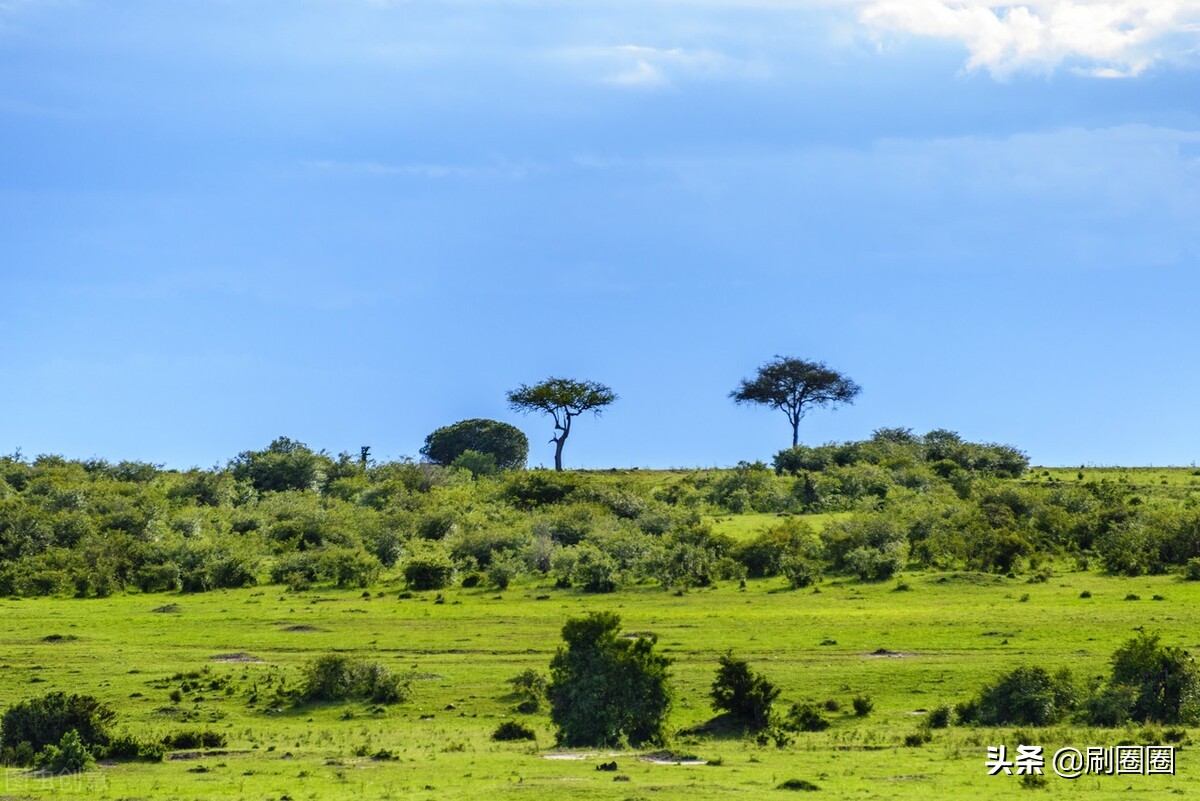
{"x":945,"y":635}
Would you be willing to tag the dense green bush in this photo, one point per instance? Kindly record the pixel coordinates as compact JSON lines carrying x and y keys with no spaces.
{"x":742,"y":693}
{"x":510,"y":730}
{"x":805,"y":717}
{"x":428,"y":569}
{"x":1161,"y":682}
{"x":339,"y":678}
{"x":43,"y":721}
{"x":507,"y":446}
{"x":606,"y":690}
{"x":1027,"y":696}
{"x":70,"y":755}
{"x":283,"y":465}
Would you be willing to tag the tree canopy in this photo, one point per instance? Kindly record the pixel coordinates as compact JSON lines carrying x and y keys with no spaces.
{"x":794,"y":386}
{"x":563,"y":399}
{"x":507,"y":443}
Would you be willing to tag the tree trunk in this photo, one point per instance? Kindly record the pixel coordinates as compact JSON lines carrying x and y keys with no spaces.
{"x":795,"y":432}
{"x":558,"y":443}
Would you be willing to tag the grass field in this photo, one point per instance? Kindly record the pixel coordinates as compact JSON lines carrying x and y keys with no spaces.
{"x":946,"y":634}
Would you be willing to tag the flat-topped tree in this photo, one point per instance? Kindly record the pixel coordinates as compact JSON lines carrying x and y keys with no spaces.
{"x":563,"y":399}
{"x":794,"y":386}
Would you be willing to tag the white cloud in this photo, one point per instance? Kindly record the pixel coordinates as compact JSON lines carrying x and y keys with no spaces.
{"x":1107,"y":39}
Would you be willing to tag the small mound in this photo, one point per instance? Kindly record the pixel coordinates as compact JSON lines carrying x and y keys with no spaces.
{"x":884,"y":653}
{"x":169,"y":609}
{"x":239,"y":657}
{"x":59,"y":638}
{"x":301,"y":627}
{"x":672,"y":758}
{"x":799,"y":784}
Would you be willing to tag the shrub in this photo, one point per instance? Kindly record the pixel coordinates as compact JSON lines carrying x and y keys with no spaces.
{"x":792,"y":543}
{"x":606,"y":690}
{"x":44,"y":721}
{"x":338,"y":678}
{"x":742,"y":693}
{"x":478,"y":464}
{"x":918,"y":738}
{"x":1028,"y":696}
{"x":594,"y":570}
{"x":189,"y":739}
{"x":428,"y":569}
{"x":540,"y":488}
{"x":1192,"y":570}
{"x":1156,"y":683}
{"x":529,"y":683}
{"x":805,"y":717}
{"x":69,"y":756}
{"x":511,"y":730}
{"x":506,"y":445}
{"x":939,"y":718}
{"x":126,"y":747}
{"x":862,"y":705}
{"x":284,"y":465}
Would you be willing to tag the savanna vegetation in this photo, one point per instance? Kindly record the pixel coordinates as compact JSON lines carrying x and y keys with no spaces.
{"x":302,"y":624}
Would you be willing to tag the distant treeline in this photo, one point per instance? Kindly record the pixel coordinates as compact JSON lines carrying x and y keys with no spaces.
{"x":291,"y":516}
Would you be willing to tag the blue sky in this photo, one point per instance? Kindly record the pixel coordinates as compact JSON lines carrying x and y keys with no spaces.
{"x":352,"y":222}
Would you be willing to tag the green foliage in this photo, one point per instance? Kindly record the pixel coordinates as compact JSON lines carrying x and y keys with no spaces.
{"x":794,"y":386}
{"x":128,"y":748}
{"x":742,"y":693}
{"x":534,"y":488}
{"x":511,"y":730}
{"x":285,"y":464}
{"x":188,"y":739}
{"x":939,"y":717}
{"x":1159,"y":683}
{"x":476,"y":463}
{"x":43,"y":721}
{"x":607,"y":690}
{"x":769,"y":553}
{"x":71,"y":755}
{"x":428,"y":568}
{"x":862,"y":705}
{"x":529,"y":684}
{"x":589,"y":568}
{"x":339,"y":678}
{"x":872,"y":546}
{"x":1027,"y":696}
{"x":805,"y":717}
{"x":506,"y":444}
{"x":563,"y":399}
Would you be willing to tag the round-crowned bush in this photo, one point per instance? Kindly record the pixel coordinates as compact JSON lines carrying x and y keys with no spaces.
{"x":507,"y":446}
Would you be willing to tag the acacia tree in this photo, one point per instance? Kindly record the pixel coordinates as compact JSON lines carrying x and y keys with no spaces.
{"x":794,"y":386}
{"x":563,"y":399}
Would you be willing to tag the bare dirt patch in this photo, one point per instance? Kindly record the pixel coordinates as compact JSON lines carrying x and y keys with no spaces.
{"x":883,"y":653}
{"x":672,"y":758}
{"x":239,"y":657}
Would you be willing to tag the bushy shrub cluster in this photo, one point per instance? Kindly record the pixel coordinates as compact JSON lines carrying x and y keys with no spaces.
{"x":339,"y":678}
{"x":1148,"y":683}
